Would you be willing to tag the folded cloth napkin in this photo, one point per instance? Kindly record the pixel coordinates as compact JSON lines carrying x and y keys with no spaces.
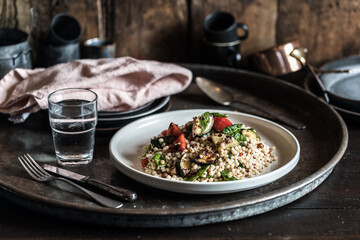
{"x":121,"y":84}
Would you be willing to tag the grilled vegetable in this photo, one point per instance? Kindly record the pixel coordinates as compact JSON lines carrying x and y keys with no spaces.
{"x":223,"y":141}
{"x":184,"y":165}
{"x":188,"y":129}
{"x":159,"y":160}
{"x":250,"y":133}
{"x":157,"y":142}
{"x":198,"y":174}
{"x":144,"y":162}
{"x":174,"y":130}
{"x":179,"y":144}
{"x":206,"y":157}
{"x":202,"y":124}
{"x":220,"y":123}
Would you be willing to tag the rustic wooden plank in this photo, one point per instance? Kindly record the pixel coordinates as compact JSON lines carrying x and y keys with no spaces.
{"x":42,"y":18}
{"x":157,"y":29}
{"x":86,"y":13}
{"x":328,"y":28}
{"x":148,"y":30}
{"x":7,"y":14}
{"x":23,"y":15}
{"x":154,"y":29}
{"x":259,"y":15}
{"x":15,"y":14}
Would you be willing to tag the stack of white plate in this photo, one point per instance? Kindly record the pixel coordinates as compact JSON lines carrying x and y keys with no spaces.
{"x":108,"y":121}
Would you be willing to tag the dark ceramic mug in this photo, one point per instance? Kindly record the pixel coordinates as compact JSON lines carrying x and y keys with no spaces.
{"x":64,"y":29}
{"x":222,"y":42}
{"x":221,"y":27}
{"x":63,"y":42}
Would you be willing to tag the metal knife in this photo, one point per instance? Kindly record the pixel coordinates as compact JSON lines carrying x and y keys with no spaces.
{"x":115,"y":191}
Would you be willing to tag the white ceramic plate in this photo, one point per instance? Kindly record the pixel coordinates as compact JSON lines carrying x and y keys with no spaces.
{"x":103,"y":114}
{"x":127,"y":145}
{"x":153,"y":107}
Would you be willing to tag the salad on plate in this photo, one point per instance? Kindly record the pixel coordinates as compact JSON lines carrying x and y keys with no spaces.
{"x":209,"y":148}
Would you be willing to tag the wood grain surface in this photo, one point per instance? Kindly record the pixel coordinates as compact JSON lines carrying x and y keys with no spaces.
{"x":169,"y":30}
{"x":328,"y":28}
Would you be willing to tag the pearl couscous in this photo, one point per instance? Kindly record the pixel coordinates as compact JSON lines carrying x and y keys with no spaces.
{"x":210,"y":148}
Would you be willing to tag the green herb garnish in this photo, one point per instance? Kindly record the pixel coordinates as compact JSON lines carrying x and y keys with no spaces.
{"x":219,"y":115}
{"x":225,"y":176}
{"x":232,"y":129}
{"x":205,"y":119}
{"x":235,"y":132}
{"x":241,"y":165}
{"x":241,"y":139}
{"x":198,"y":174}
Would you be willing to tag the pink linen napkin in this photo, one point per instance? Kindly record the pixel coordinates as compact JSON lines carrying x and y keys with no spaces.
{"x":121,"y":83}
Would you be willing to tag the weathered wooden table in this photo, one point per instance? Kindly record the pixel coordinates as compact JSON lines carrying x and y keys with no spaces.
{"x":330,"y":210}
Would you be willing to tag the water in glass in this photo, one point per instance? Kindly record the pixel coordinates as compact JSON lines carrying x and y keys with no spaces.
{"x":73,"y":128}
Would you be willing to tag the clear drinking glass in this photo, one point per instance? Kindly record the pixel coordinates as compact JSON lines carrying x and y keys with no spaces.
{"x":73,"y":118}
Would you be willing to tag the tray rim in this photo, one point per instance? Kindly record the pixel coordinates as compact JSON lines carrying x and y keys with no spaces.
{"x":316,"y":178}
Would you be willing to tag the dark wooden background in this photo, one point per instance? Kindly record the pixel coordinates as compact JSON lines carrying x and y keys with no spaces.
{"x":171,"y":30}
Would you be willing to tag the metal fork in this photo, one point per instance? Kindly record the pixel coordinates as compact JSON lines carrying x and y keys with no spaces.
{"x":40,"y":175}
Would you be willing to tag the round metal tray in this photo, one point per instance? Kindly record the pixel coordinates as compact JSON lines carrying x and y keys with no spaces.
{"x":321,"y":150}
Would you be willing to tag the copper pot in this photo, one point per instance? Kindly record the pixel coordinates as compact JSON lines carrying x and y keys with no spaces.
{"x":276,"y":61}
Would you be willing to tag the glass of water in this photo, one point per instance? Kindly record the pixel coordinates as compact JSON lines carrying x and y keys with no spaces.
{"x":73,"y":118}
